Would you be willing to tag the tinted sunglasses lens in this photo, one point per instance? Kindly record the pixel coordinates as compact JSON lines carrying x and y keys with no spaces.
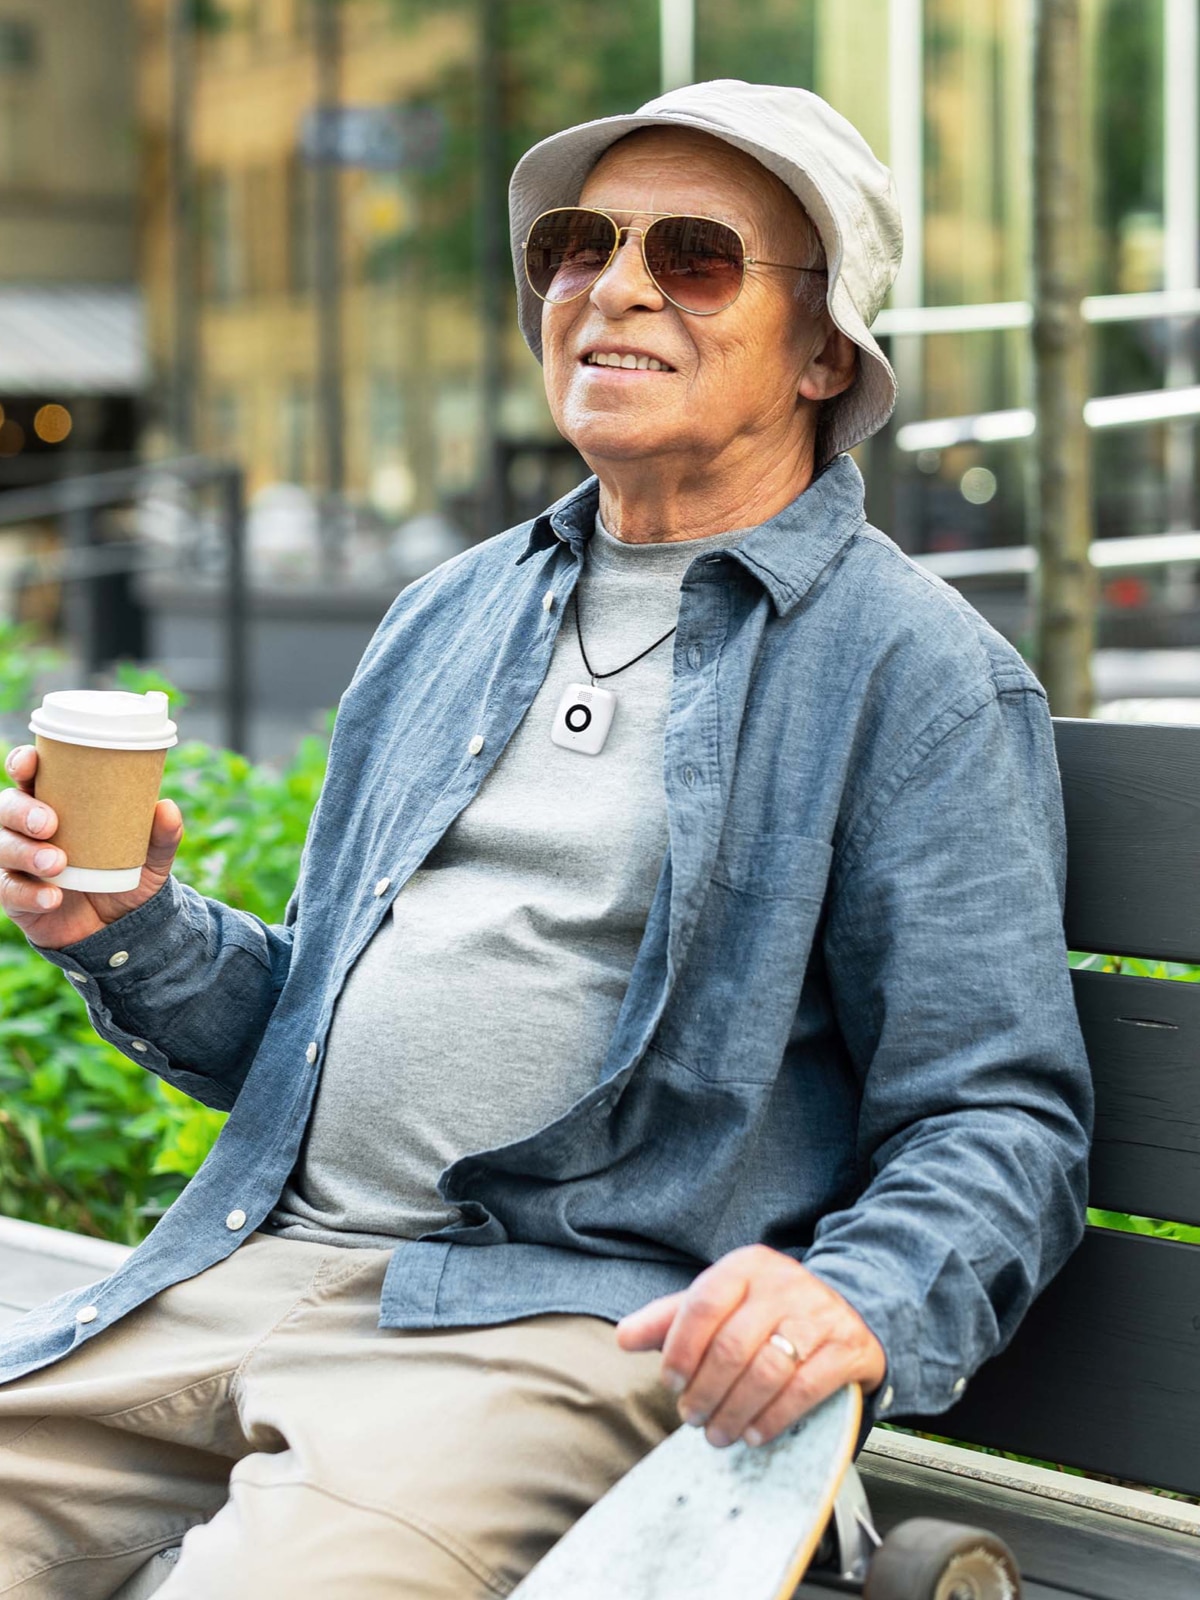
{"x":567,"y":251}
{"x":697,"y":263}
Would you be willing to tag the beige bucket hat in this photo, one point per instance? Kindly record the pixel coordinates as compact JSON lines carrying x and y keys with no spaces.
{"x":824,"y":161}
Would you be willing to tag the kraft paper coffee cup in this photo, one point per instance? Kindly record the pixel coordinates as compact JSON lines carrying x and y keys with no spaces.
{"x":100,"y":764}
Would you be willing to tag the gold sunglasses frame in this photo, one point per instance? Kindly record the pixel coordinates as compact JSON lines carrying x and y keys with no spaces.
{"x":622,"y":233}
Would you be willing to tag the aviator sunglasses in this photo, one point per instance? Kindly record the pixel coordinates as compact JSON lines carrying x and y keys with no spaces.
{"x":698,"y":263}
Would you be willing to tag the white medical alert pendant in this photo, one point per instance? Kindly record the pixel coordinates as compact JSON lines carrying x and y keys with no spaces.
{"x":583,"y":718}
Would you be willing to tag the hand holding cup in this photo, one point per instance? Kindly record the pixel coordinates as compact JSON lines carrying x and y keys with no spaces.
{"x":107,"y":749}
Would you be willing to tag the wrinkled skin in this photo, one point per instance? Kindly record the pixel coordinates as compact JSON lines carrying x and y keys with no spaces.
{"x":725,"y":439}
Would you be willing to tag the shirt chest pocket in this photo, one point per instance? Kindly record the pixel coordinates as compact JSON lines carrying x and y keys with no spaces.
{"x":737,"y":992}
{"x":773,"y":866}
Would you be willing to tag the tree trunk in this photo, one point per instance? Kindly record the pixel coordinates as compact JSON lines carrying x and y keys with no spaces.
{"x":1065,"y":588}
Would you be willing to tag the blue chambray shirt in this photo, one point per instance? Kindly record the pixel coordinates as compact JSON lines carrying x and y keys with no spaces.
{"x":849,"y":1031}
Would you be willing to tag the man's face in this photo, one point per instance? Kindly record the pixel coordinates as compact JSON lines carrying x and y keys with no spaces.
{"x":730,"y":379}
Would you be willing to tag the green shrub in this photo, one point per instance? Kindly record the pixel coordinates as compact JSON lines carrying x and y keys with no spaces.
{"x":89,"y":1140}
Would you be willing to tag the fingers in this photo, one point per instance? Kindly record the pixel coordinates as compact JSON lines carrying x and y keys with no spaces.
{"x":165,"y":834}
{"x":717,"y":1350}
{"x":21,"y":765}
{"x":646,"y":1328}
{"x":712,"y":1298}
{"x":23,"y":814}
{"x":20,"y":894}
{"x":25,"y":824}
{"x":814,"y":1380}
{"x":742,"y":1371}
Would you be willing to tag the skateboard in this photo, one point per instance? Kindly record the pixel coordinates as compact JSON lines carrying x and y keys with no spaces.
{"x":749,"y":1523}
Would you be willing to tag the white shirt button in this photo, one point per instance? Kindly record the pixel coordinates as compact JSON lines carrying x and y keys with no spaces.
{"x":86,"y":1314}
{"x":885,"y":1401}
{"x":77,"y":977}
{"x":139,"y":1045}
{"x":960,"y":1385}
{"x":548,"y":600}
{"x":119,"y":958}
{"x":476,"y":744}
{"x":310,"y":1055}
{"x":235,"y":1220}
{"x":382,"y":887}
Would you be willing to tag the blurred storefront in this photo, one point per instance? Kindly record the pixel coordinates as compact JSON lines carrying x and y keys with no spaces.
{"x":72,"y":351}
{"x":73,"y":360}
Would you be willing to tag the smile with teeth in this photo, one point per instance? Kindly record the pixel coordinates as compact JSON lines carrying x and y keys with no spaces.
{"x":607,"y":358}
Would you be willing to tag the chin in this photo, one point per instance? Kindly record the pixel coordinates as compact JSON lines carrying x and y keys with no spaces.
{"x":619,"y":438}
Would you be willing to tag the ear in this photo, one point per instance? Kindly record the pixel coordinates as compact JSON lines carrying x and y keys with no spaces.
{"x":831,"y":370}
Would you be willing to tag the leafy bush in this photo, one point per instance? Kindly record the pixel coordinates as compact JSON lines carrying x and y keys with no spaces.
{"x":89,"y":1140}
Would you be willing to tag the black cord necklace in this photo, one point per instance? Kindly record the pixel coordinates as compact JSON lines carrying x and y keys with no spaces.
{"x":585,"y":713}
{"x":591,"y":672}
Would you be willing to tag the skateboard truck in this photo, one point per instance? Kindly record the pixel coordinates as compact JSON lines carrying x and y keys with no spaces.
{"x":850,"y":1540}
{"x":923,"y":1559}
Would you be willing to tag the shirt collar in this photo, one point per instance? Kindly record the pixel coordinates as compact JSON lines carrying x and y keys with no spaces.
{"x":786,"y":553}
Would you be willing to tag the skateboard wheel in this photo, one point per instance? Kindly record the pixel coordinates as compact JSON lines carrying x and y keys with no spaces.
{"x":929,"y":1560}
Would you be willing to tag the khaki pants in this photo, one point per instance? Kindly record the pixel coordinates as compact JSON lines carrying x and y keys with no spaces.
{"x":309,"y":1452}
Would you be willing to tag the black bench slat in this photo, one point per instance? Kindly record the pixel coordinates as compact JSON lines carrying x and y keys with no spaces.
{"x":1143,"y":1043}
{"x":1131,"y":793}
{"x":1104,"y":1373}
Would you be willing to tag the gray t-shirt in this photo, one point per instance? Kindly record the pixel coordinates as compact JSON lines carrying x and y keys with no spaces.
{"x":483,"y":1006}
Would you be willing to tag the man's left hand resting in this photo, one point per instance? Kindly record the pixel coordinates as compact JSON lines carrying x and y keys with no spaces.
{"x":717,"y":1352}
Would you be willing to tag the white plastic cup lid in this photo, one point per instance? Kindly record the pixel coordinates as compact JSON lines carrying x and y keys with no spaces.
{"x":106,"y":719}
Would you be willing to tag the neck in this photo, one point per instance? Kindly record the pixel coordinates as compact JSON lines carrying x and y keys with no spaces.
{"x":665,"y":499}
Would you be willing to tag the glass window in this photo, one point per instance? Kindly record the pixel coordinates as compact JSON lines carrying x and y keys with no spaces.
{"x":222,"y":257}
{"x":297,"y":433}
{"x":18,"y":45}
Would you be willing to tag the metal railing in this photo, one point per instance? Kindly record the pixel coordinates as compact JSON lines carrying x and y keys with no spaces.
{"x":1106,"y":411}
{"x":73,"y":502}
{"x":1138,"y":550}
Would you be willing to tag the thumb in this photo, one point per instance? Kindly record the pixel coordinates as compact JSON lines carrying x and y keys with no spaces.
{"x":647,"y":1329}
{"x":165,"y":836}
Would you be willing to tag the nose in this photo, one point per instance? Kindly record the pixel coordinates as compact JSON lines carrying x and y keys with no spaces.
{"x":625,"y":284}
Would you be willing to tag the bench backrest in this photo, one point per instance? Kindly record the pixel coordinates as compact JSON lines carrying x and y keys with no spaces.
{"x":1104,"y":1373}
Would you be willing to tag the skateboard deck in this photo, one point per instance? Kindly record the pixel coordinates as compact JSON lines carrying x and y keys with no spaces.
{"x":690,"y":1520}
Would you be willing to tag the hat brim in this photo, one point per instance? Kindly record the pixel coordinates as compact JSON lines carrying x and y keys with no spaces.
{"x":552,"y":173}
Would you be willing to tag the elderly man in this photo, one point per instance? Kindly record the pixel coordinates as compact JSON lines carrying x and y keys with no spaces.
{"x":677,"y":945}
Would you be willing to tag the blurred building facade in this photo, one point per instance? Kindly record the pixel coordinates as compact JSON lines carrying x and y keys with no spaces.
{"x":417,"y":365}
{"x":72,"y":359}
{"x":73,"y":363}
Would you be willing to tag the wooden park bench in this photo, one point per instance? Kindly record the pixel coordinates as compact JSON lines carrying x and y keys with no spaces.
{"x":1104,"y":1374}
